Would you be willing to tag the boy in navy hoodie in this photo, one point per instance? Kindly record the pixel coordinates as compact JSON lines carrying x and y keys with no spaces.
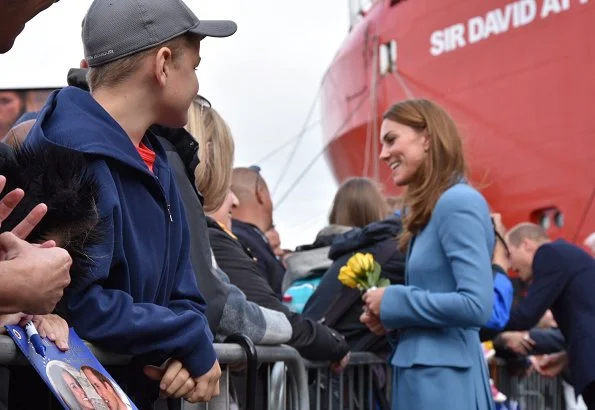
{"x":140,"y":296}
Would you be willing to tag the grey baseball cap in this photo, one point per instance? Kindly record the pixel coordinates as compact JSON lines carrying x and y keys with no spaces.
{"x":113,"y":29}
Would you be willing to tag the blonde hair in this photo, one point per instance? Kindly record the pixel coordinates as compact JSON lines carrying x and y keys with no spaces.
{"x":216,"y":149}
{"x":443,"y":167}
{"x":358,"y":202}
{"x":111,"y":74}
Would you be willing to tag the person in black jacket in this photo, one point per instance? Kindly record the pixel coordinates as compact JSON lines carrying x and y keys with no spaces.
{"x":312,"y":340}
{"x":253,"y":217}
{"x":379,"y":239}
{"x":562,"y":279}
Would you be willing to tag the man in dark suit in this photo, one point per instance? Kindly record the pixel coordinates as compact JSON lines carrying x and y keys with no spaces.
{"x":562,"y":279}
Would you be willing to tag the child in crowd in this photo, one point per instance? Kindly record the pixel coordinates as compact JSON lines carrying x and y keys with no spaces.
{"x":140,"y":297}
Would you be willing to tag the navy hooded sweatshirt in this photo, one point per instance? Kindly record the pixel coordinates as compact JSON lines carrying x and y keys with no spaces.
{"x":140,"y":296}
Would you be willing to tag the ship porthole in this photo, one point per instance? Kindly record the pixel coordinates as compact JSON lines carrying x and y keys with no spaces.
{"x":544,"y":222}
{"x":559,"y":219}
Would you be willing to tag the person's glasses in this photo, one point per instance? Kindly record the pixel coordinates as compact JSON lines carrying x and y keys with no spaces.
{"x":202,"y":102}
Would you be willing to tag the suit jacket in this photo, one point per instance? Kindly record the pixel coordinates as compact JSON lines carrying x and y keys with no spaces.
{"x":448,"y":295}
{"x":564,"y":281}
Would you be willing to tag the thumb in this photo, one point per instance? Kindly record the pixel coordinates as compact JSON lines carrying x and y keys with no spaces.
{"x":8,"y":241}
{"x":154,"y":372}
{"x":48,"y":244}
{"x":26,"y":319}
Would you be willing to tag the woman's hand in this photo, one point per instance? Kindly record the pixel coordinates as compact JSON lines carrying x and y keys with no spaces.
{"x":373,"y":322}
{"x":498,"y":224}
{"x":372,"y":299}
{"x":54,"y":328}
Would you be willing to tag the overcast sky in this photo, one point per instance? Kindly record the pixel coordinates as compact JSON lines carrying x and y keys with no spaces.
{"x":262,"y":80}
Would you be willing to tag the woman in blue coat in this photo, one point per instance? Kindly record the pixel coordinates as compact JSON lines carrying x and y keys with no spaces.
{"x":449,"y":239}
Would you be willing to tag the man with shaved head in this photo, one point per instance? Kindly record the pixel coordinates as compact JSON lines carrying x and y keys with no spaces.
{"x":252,"y":218}
{"x":562,"y":278}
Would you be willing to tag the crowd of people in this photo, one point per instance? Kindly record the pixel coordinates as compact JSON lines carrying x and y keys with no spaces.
{"x":123,"y":217}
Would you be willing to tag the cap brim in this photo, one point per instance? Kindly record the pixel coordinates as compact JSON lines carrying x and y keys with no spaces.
{"x":214,"y":28}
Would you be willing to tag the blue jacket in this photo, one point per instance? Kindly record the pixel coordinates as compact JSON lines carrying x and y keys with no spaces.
{"x":503,"y":298}
{"x":439,"y":363}
{"x":140,"y":296}
{"x":563,"y":281}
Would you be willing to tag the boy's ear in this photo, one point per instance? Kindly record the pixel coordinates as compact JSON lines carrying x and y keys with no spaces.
{"x":163,"y":65}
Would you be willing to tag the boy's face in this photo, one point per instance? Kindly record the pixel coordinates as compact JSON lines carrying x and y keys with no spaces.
{"x":181,"y":87}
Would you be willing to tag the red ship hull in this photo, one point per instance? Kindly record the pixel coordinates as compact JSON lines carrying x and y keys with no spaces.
{"x":519,"y":79}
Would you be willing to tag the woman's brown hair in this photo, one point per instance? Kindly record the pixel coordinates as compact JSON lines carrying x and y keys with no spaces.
{"x":442,"y":168}
{"x":358,"y":202}
{"x":212,"y":176}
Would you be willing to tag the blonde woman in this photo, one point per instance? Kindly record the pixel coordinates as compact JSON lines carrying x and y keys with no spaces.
{"x":212,"y":175}
{"x":201,"y":156}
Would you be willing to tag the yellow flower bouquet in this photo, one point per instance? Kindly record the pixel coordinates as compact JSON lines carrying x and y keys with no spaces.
{"x":362,"y":272}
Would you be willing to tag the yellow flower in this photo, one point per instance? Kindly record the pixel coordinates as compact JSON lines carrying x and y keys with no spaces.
{"x":369,"y":262}
{"x":361,"y":264}
{"x":354,"y":264}
{"x":347,"y":277}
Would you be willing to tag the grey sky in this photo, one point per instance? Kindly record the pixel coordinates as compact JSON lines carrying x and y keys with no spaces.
{"x":262,"y":80}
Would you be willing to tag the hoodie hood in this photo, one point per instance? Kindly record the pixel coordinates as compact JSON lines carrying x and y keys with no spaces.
{"x":309,"y":260}
{"x":76,"y":121}
{"x":303,"y":264}
{"x":359,"y":238}
{"x":325,"y":237}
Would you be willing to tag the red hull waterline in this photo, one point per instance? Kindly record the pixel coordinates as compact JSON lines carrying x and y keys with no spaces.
{"x":519,"y":79}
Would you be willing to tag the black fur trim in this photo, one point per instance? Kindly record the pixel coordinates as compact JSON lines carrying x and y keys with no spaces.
{"x":58,"y":177}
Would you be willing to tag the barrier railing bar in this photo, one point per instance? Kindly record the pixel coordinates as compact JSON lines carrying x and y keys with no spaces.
{"x":330,"y":388}
{"x":251,"y":367}
{"x":341,"y":386}
{"x":535,"y":391}
{"x":360,"y":376}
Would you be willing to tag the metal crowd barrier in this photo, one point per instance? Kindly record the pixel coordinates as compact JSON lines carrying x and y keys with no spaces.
{"x":293,"y":383}
{"x":529,"y":392}
{"x":364,"y":385}
{"x":230,"y":355}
